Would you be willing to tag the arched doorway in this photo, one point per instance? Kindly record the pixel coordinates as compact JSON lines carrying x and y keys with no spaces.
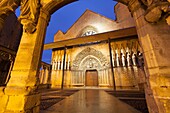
{"x":91,"y":78}
{"x":88,"y":68}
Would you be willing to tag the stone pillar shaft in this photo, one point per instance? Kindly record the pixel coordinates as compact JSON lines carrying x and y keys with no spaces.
{"x":21,"y":88}
{"x":154,"y":39}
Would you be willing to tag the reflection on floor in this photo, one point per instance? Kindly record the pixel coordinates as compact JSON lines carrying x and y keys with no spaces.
{"x":134,"y":98}
{"x":53,"y":96}
{"x":89,"y":101}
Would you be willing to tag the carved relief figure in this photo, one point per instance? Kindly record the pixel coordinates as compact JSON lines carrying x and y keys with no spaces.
{"x":134,"y":59}
{"x":30,"y":10}
{"x":156,"y":10}
{"x":8,"y":6}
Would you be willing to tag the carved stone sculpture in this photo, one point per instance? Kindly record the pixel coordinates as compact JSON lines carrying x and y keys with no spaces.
{"x":30,"y":10}
{"x":156,"y":10}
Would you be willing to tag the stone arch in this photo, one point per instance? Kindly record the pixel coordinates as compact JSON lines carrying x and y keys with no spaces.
{"x":92,"y":52}
{"x":53,"y":6}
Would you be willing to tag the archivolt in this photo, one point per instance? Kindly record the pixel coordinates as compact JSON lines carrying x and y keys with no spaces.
{"x":86,"y":52}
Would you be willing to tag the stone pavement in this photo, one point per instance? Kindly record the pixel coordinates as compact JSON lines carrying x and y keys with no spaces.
{"x":90,"y":101}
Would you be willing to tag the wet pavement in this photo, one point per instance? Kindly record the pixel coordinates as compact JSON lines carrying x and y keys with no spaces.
{"x":90,"y":101}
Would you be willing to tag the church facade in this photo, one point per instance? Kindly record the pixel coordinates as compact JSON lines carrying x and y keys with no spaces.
{"x":88,"y":64}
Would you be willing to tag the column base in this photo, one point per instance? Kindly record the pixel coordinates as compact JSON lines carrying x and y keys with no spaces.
{"x":19,"y":103}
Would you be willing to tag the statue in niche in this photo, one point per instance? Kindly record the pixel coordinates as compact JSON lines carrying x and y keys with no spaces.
{"x":30,"y":10}
{"x":134,"y":59}
{"x":117,"y":59}
{"x":113,"y":59}
{"x":123,"y":60}
{"x":128,"y":59}
{"x":90,"y":63}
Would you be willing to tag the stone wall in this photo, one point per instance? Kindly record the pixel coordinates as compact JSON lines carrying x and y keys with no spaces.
{"x":123,"y":16}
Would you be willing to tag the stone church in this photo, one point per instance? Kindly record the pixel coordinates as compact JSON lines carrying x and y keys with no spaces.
{"x":88,"y":64}
{"x":131,"y":52}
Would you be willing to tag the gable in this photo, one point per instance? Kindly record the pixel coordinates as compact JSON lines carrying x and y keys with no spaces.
{"x":88,"y":21}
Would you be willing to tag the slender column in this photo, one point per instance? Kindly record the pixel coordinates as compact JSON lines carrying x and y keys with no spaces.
{"x":42,"y":76}
{"x":9,"y":72}
{"x":68,"y":63}
{"x":62,"y":61}
{"x":111,"y":64}
{"x":65,"y":63}
{"x":107,"y":76}
{"x":103,"y":77}
{"x":113,"y":58}
{"x":64,"y":58}
{"x":46,"y":75}
{"x":73,"y":77}
{"x":53,"y":65}
{"x":59,"y":64}
{"x":82,"y":77}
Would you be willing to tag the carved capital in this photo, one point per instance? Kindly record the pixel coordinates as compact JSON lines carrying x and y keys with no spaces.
{"x":30,"y":10}
{"x":134,"y":5}
{"x":157,"y":11}
{"x":6,"y":56}
{"x":7,"y":6}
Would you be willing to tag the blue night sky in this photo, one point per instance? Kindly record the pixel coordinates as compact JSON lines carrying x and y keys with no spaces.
{"x":65,"y":17}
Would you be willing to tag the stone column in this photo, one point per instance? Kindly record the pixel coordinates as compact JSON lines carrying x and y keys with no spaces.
{"x":154,"y":39}
{"x":63,"y":68}
{"x":68,"y":65}
{"x":42,"y":76}
{"x":46,"y":76}
{"x":20,"y":94}
{"x":111,"y":65}
{"x":49,"y":75}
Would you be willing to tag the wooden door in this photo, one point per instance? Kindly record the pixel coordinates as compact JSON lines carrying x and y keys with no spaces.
{"x":91,"y":78}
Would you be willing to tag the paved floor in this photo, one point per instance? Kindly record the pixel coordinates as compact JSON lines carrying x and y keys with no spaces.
{"x":90,"y":101}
